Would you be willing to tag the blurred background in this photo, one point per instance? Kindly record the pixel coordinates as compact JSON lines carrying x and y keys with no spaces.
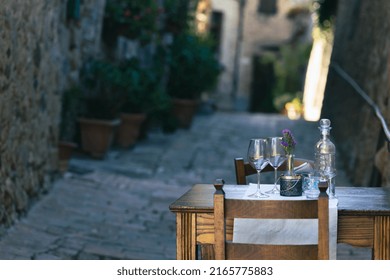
{"x":71,"y":65}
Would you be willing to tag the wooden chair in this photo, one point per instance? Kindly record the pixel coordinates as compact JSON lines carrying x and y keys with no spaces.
{"x":225,"y":210}
{"x":244,"y":169}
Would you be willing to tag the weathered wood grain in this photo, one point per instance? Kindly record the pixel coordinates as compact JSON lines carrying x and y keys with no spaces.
{"x":363,"y":219}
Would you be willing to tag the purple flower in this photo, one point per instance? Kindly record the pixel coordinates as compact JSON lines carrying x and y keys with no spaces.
{"x":288,"y":142}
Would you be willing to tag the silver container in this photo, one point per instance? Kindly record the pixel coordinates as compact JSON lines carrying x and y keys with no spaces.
{"x":291,"y":185}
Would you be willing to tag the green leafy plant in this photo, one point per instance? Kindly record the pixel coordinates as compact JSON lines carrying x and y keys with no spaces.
{"x":136,"y":19}
{"x":176,"y":15}
{"x":193,"y":67}
{"x":142,"y":88}
{"x":102,"y":82}
{"x":290,"y":69}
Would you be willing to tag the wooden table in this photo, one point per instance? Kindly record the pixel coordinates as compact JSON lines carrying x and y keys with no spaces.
{"x":363,"y":220}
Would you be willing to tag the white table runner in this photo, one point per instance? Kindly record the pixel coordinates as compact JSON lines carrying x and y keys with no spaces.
{"x":282,"y":231}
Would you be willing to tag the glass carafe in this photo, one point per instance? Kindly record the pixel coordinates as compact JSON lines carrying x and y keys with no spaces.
{"x":325,"y":157}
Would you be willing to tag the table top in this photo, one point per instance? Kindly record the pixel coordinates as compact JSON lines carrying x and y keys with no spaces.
{"x":359,"y":201}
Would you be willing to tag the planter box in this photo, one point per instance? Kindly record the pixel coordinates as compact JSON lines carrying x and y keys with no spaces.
{"x":129,"y":129}
{"x":97,"y":135}
{"x":184,"y":110}
{"x":65,"y":150}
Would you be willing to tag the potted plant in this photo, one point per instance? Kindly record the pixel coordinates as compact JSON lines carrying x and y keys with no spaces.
{"x":101,"y":104}
{"x":290,"y":183}
{"x":133,"y":19}
{"x":141,"y":90}
{"x":193,"y":69}
{"x":176,"y":15}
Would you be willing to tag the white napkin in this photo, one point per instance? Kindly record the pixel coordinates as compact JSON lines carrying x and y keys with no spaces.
{"x":284,"y":231}
{"x":276,"y":231}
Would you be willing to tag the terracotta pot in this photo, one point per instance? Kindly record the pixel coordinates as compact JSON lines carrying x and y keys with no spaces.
{"x":97,"y":135}
{"x":65,"y":150}
{"x":129,"y":129}
{"x":184,"y":110}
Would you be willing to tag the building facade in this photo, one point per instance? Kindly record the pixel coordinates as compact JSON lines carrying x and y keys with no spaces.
{"x":250,"y":28}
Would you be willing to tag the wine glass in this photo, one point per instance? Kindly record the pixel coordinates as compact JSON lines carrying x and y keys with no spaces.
{"x":276,"y":156}
{"x":257,"y":157}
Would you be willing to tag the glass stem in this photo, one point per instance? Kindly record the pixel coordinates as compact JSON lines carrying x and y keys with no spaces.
{"x":258,"y":181}
{"x":276,"y":177}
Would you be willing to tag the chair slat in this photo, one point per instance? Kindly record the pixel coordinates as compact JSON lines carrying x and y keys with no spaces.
{"x":276,"y":209}
{"x":236,"y":251}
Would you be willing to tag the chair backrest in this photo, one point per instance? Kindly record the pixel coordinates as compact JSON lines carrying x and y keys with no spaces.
{"x":244,"y":169}
{"x":226,"y":210}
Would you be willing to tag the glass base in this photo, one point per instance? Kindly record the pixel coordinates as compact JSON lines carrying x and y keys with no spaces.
{"x":312,"y":193}
{"x":331,"y":191}
{"x":274,"y":190}
{"x":332,"y":196}
{"x":258,"y":195}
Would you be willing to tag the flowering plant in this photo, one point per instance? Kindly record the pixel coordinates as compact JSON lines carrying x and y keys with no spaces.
{"x":134,"y":17}
{"x":288,"y":142}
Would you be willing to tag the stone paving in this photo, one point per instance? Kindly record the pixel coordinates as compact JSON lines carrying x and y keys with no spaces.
{"x":117,"y":208}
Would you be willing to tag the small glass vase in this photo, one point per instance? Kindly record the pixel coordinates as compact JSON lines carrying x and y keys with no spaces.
{"x":290,"y":165}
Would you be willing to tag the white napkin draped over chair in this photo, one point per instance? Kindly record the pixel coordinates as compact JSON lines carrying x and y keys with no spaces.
{"x":284,"y":231}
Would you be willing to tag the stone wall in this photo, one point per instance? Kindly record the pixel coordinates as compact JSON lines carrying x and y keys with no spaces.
{"x":40,"y":54}
{"x":361,"y":48}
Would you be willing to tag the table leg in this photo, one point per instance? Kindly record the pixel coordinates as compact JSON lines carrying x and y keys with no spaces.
{"x":381,"y":250}
{"x":186,"y":236}
{"x":207,"y":252}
